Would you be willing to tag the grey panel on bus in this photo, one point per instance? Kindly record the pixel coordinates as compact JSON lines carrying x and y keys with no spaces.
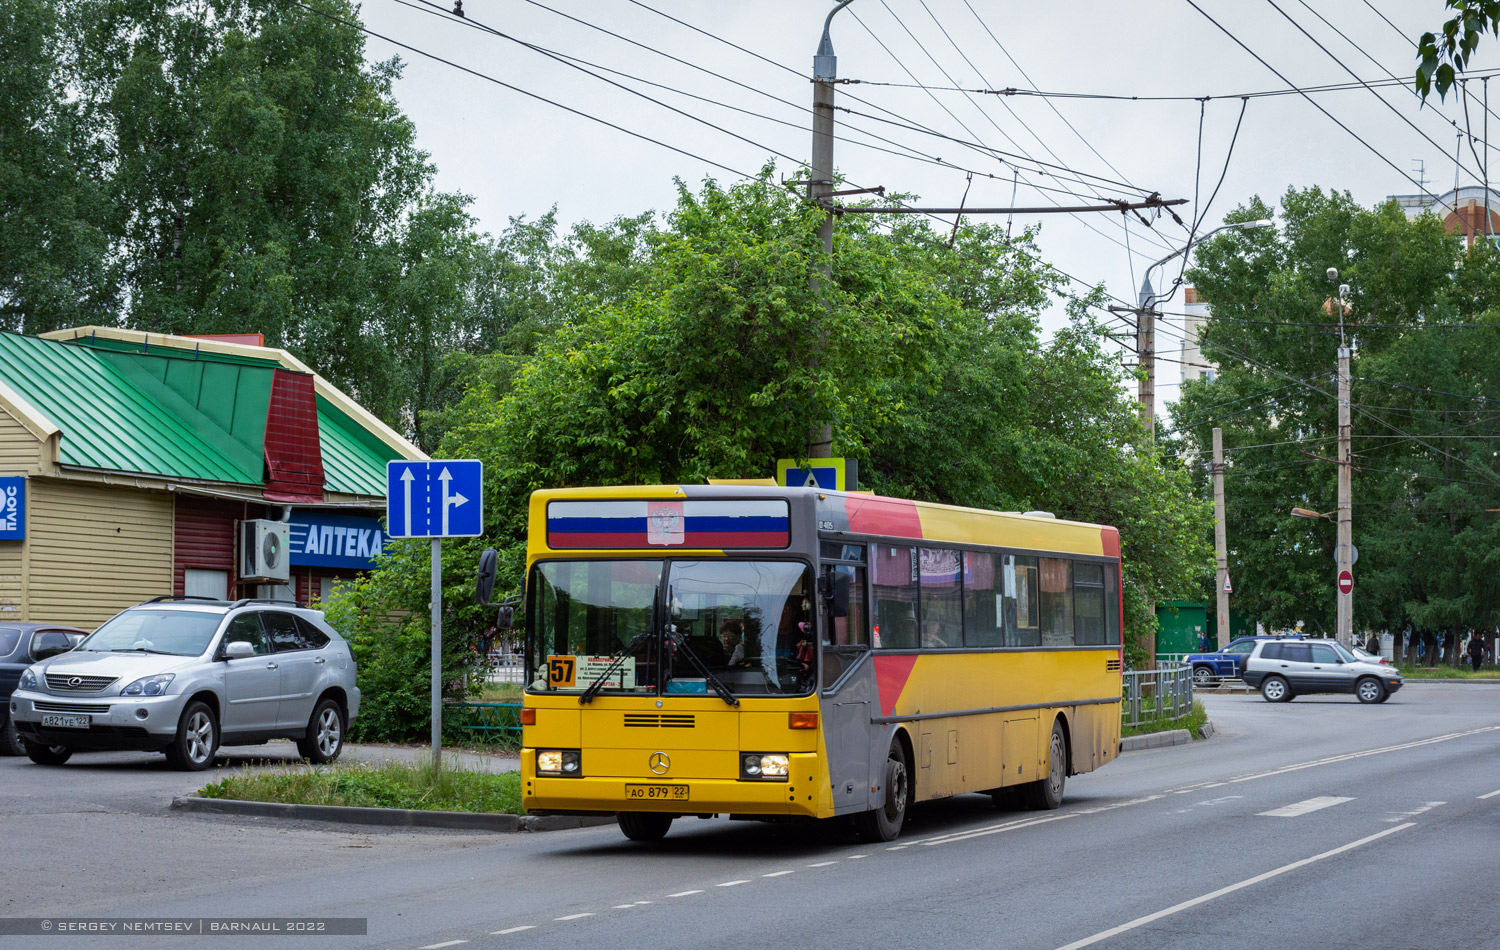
{"x":854,"y":765}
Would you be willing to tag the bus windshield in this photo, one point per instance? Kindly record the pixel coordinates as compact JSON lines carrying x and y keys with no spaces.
{"x":745,"y":624}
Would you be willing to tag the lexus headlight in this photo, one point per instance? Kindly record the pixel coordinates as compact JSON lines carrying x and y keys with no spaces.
{"x":559,"y":762}
{"x":148,"y":686}
{"x":28,"y":679}
{"x":773,"y":767}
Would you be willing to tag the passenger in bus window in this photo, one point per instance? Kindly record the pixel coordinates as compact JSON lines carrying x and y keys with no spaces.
{"x":732,"y":635}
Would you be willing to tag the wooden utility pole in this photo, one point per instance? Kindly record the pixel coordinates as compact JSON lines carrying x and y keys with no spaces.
{"x":1221,"y":547}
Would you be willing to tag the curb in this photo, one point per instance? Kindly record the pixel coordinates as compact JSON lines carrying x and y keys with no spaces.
{"x":387,"y":817}
{"x":1156,"y":740}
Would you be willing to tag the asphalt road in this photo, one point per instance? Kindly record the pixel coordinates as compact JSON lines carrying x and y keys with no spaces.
{"x":1318,"y":823}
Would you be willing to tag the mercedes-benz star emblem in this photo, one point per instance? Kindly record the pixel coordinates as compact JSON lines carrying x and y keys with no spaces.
{"x":659,"y":763}
{"x":75,"y":681}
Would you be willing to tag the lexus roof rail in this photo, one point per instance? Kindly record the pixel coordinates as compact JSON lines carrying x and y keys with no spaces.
{"x":264,"y":600}
{"x":167,"y":597}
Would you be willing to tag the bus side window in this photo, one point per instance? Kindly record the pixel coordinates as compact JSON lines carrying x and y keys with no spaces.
{"x":1088,"y":603}
{"x":1057,"y":602}
{"x":982,"y":601}
{"x":1022,"y":619}
{"x":849,"y":637}
{"x":893,"y":576}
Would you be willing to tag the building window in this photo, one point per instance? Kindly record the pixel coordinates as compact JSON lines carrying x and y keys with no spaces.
{"x":200,"y":583}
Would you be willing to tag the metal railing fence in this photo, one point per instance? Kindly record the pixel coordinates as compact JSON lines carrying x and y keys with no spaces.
{"x":1154,"y":695}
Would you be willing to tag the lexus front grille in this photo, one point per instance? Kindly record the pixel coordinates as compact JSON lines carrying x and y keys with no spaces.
{"x":91,"y":709}
{"x":70,"y":683}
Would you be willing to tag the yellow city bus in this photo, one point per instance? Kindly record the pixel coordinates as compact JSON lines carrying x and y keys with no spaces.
{"x":764,"y":652}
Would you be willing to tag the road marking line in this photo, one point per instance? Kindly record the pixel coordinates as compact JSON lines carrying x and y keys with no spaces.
{"x":622,"y":907}
{"x":731,"y":883}
{"x":856,"y":857}
{"x":778,"y":873}
{"x":899,"y":847}
{"x":997,"y":829}
{"x":1398,"y":815}
{"x":822,"y":864}
{"x":512,"y":930}
{"x":1303,"y":808}
{"x":1358,"y":755}
{"x":639,"y":903}
{"x":572,"y":916}
{"x":1490,"y":795}
{"x":445,"y":943}
{"x":1248,"y":882}
{"x":684,"y":893}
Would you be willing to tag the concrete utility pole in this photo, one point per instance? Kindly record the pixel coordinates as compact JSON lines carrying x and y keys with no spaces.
{"x":1344,"y":553}
{"x":1221,"y":547}
{"x":1145,"y":348}
{"x":820,"y":188}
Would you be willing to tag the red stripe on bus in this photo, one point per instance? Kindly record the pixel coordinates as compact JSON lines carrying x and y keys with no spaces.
{"x":891,"y":674}
{"x":890,"y":516}
{"x":1109,"y":538}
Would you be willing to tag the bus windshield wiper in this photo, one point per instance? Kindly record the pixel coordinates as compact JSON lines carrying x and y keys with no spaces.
{"x":587,"y":696}
{"x":698,"y":664}
{"x":615,"y":662}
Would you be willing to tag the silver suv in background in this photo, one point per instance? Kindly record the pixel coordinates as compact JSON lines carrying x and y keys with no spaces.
{"x":1281,"y":669}
{"x":184,"y":676}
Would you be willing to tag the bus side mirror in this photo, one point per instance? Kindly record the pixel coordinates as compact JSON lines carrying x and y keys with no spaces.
{"x":837,"y":583}
{"x":505,"y":618}
{"x":484,"y":580}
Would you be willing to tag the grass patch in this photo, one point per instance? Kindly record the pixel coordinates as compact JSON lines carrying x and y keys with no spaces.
{"x":387,"y":785}
{"x":499,"y":693}
{"x":1446,"y":673}
{"x":1192,"y":722}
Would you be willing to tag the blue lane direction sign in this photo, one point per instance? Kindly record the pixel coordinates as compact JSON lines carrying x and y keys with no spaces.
{"x":438,"y":499}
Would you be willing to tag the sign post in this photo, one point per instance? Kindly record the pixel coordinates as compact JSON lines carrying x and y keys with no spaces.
{"x":436,"y":500}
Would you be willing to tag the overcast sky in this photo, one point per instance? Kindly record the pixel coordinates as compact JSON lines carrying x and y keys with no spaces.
{"x":516,"y":155}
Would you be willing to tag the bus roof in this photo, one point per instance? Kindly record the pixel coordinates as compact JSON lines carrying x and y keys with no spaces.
{"x":863,"y":514}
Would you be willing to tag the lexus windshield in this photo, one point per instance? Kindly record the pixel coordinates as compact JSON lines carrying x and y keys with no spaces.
{"x":672,"y":627}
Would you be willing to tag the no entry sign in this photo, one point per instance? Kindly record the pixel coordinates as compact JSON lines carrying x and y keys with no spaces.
{"x":1346,"y":582}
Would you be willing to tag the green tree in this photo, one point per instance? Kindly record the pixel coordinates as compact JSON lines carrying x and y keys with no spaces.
{"x":1419,"y":320}
{"x":53,"y":245}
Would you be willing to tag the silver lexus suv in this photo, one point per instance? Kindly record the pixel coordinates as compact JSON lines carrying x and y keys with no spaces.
{"x":185,"y":675}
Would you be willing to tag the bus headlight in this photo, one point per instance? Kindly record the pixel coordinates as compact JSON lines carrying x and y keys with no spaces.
{"x":559,"y":762}
{"x":763,"y":766}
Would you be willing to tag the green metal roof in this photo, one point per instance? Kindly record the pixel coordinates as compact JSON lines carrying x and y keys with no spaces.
{"x":176,"y":412}
{"x":353,"y":458}
{"x":118,"y":421}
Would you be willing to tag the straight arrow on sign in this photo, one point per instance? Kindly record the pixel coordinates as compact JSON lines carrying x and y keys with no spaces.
{"x":406,"y":479}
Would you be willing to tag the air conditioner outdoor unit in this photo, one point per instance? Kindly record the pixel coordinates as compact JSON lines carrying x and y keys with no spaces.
{"x":265,"y":551}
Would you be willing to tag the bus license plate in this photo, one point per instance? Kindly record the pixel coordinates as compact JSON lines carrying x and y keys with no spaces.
{"x":66,"y":722}
{"x":669,"y":793}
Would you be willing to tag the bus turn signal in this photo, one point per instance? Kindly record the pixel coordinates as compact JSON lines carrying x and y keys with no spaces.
{"x":802,"y":720}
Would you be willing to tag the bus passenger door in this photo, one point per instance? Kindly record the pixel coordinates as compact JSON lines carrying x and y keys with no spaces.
{"x":847,"y":733}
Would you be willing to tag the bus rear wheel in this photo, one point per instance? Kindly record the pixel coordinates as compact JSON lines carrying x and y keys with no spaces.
{"x":1047,"y":794}
{"x":644,"y":825}
{"x":884,"y":823}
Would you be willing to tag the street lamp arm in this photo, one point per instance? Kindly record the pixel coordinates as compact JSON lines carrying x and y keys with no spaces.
{"x":1148,"y":296}
{"x":825,"y":63}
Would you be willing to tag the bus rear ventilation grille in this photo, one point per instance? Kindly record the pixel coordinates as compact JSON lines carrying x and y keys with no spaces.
{"x":659,"y":720}
{"x":1112,"y":666}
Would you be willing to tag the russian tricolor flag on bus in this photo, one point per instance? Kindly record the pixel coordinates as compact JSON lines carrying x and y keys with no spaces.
{"x":668,"y":523}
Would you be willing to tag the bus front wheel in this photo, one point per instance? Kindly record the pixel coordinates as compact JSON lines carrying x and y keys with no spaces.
{"x":884,"y":823}
{"x":644,"y":825}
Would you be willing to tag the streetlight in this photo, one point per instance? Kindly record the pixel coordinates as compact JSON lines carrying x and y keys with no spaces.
{"x":1145,"y":327}
{"x":1309,"y":513}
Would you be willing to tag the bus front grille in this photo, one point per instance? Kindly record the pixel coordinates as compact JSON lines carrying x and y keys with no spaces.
{"x":659,"y":720}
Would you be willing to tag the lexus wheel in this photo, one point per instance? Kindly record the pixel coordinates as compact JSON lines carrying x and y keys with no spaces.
{"x":325,"y":734}
{"x":197,"y":739}
{"x":46,"y":754}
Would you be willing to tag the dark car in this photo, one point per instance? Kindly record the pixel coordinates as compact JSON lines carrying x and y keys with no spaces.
{"x":1228,"y":663}
{"x":22,"y":644}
